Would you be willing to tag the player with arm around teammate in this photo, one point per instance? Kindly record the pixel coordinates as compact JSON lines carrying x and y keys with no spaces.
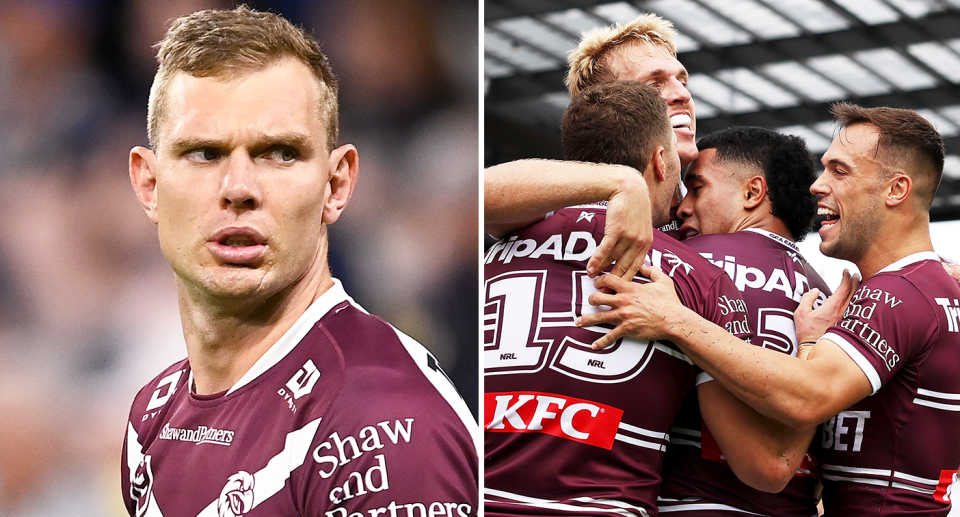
{"x":882,"y":380}
{"x":567,"y":430}
{"x":748,"y":200}
{"x":293,"y":401}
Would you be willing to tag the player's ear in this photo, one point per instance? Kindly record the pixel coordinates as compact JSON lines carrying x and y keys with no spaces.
{"x":754,"y":190}
{"x":143,"y":166}
{"x":900,"y":187}
{"x":659,"y":164}
{"x":344,"y":167}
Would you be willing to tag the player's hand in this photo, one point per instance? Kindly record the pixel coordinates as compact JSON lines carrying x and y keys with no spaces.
{"x":636,"y":310}
{"x":813,"y":322}
{"x":952,"y":270}
{"x":627,"y":236}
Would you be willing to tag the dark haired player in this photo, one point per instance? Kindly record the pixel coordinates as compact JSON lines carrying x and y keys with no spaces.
{"x":883,"y":379}
{"x":293,"y":400}
{"x":748,"y":198}
{"x":569,"y":431}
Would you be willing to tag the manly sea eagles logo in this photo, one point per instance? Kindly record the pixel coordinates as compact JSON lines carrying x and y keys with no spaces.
{"x":236,"y":498}
{"x":141,"y":485}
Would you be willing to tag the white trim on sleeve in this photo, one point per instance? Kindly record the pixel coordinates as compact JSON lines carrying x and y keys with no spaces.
{"x":857,"y":357}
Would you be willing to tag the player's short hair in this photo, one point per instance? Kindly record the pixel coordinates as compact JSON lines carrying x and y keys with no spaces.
{"x":590,"y":61}
{"x":785,"y":163}
{"x":619,"y":123}
{"x":230,"y":43}
{"x":907,"y":142}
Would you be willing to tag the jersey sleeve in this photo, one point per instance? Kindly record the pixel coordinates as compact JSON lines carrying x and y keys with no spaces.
{"x":887,"y":322}
{"x":402,"y":451}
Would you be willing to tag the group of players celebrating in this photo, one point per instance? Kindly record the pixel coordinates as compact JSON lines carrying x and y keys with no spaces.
{"x":714,"y":376}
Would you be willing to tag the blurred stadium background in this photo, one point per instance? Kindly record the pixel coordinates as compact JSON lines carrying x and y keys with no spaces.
{"x":88,"y":311}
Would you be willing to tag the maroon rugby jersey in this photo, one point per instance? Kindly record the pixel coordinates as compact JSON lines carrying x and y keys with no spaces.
{"x":896,"y":451}
{"x":343,"y":417}
{"x":772,"y":275}
{"x":569,"y":430}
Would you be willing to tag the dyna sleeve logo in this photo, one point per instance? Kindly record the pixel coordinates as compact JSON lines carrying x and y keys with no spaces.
{"x":566,"y":417}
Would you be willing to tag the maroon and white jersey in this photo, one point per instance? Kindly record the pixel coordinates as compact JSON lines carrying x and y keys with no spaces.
{"x":568,"y":430}
{"x":896,"y":451}
{"x":772,"y":275}
{"x":344,"y":416}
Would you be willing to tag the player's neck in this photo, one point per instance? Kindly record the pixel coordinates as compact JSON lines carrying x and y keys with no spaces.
{"x":764,"y":221}
{"x":225,"y":340}
{"x":893,"y":244}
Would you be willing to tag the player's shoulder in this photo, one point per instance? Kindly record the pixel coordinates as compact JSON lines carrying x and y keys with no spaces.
{"x":386,"y":372}
{"x":920,"y":274}
{"x":677,"y":259}
{"x":155,"y":394}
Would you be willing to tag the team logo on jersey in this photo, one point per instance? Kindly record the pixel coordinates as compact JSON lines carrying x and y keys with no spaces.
{"x":953,"y":313}
{"x":674,"y":262}
{"x":236,"y":498}
{"x":141,"y":485}
{"x":575,"y":419}
{"x":303,"y":381}
{"x":586,"y":216}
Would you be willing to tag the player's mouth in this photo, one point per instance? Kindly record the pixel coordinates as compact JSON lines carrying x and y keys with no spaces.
{"x":832,"y":218}
{"x":237,"y":245}
{"x":687,"y":231}
{"x":681,"y":123}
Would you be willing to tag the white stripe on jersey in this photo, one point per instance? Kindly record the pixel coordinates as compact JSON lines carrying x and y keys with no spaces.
{"x":442,"y":384}
{"x":866,"y":481}
{"x":639,"y":443}
{"x":946,"y":400}
{"x":688,"y":505}
{"x":671,"y":352}
{"x":858,"y":470}
{"x":928,"y":491}
{"x":621,"y":508}
{"x":627,"y":428}
{"x":857,"y":357}
{"x":644,"y":432}
{"x":270,"y":480}
{"x":883,"y":478}
{"x":678,"y":440}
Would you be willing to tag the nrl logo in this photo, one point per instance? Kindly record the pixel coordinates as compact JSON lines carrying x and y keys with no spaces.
{"x":236,"y":498}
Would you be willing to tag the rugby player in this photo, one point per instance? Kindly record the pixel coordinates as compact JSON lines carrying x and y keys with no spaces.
{"x":748,"y":200}
{"x":881,"y":374}
{"x":293,"y":401}
{"x":569,"y":432}
{"x":643,"y":50}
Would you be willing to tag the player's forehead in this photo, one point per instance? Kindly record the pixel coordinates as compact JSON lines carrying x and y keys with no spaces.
{"x":854,"y":146}
{"x":639,"y":61}
{"x":707,"y":169}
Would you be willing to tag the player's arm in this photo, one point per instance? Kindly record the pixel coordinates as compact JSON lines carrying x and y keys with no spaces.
{"x":763,"y":453}
{"x":799,"y":393}
{"x":519,"y":193}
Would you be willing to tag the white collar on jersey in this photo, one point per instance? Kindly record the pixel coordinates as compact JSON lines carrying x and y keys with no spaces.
{"x":318,"y":309}
{"x":774,"y":237}
{"x":910,"y":259}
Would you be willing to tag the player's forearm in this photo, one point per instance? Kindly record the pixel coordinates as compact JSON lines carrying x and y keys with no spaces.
{"x":763,"y":453}
{"x":517,"y":193}
{"x":776,"y":385}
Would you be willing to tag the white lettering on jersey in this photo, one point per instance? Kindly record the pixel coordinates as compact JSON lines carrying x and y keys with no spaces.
{"x":506,"y":251}
{"x":872,"y":338}
{"x":165,"y":389}
{"x":746,"y":277}
{"x":202,"y":434}
{"x":373,"y":480}
{"x":303,"y":381}
{"x":839,"y":426}
{"x":349,"y":448}
{"x":953,"y":313}
{"x":434,"y":509}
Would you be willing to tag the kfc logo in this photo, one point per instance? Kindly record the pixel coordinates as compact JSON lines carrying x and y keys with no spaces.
{"x":566,"y":417}
{"x":236,"y":498}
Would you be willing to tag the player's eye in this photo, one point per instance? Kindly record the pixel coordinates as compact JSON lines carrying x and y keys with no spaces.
{"x":282,"y":154}
{"x":203,"y":154}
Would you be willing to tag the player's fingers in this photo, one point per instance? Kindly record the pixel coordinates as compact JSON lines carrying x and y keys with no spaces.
{"x":596,"y":318}
{"x":611,"y":282}
{"x":808,"y":299}
{"x":627,"y":264}
{"x":601,"y":298}
{"x":602,"y":257}
{"x":607,"y":339}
